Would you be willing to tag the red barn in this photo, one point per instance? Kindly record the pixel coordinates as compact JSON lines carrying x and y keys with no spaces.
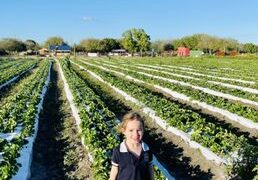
{"x":183,"y":51}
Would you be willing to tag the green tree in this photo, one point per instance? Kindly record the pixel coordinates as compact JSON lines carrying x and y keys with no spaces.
{"x":231,"y":44}
{"x":168,"y":46}
{"x":79,"y":48}
{"x":250,"y":48}
{"x":12,"y":45}
{"x":56,"y":40}
{"x":158,"y":46}
{"x":108,"y":44}
{"x":128,"y":42}
{"x":31,"y":45}
{"x":136,"y":40}
{"x":178,"y":43}
{"x":90,"y":45}
{"x":190,"y":41}
{"x":208,"y":43}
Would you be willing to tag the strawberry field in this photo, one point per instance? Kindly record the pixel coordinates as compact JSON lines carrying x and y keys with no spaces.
{"x":169,"y":92}
{"x":204,"y":110}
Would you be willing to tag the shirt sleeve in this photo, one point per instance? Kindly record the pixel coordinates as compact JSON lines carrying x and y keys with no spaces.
{"x":115,"y":157}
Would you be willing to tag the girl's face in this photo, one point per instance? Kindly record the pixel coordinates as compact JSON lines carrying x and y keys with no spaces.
{"x":133,"y":131}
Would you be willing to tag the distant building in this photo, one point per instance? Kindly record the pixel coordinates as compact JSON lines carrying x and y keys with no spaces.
{"x":183,"y":52}
{"x":118,"y":52}
{"x":61,"y":50}
{"x":92,"y":54}
{"x":43,"y":52}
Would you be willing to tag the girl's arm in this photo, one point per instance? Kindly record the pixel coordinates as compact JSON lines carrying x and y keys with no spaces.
{"x":113,"y":172}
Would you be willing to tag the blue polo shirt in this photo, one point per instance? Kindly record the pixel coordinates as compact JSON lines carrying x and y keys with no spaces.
{"x":129,"y":166}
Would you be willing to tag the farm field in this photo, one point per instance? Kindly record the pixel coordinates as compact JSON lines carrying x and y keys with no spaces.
{"x":75,"y":77}
{"x":20,"y":107}
{"x":211,"y":107}
{"x":201,"y":113}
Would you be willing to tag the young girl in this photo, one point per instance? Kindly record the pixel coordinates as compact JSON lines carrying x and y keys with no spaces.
{"x":132,"y":159}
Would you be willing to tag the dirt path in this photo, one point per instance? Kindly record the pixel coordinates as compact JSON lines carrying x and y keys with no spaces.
{"x":58,"y":152}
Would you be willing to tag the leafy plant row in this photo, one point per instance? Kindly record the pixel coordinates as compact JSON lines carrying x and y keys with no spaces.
{"x":234,"y":107}
{"x":205,"y":66}
{"x":17,"y":115}
{"x":15,"y":105}
{"x":201,"y":81}
{"x":218,"y":75}
{"x":13,"y":71}
{"x":238,"y":73}
{"x":94,"y":116}
{"x":184,"y":119}
{"x":7,"y":64}
{"x":97,"y":122}
{"x":219,"y":140}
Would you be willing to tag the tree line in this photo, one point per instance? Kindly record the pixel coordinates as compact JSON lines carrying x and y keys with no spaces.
{"x":135,"y":41}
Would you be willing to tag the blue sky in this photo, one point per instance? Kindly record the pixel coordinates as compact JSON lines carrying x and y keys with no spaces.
{"x":75,"y":20}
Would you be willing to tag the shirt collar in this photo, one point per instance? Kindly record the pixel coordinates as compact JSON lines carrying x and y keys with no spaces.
{"x":123,"y":148}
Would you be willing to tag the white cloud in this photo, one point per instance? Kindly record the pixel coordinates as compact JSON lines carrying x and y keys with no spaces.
{"x":88,"y":18}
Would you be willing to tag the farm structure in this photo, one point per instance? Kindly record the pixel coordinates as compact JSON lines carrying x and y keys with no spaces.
{"x":183,"y":52}
{"x":60,"y":50}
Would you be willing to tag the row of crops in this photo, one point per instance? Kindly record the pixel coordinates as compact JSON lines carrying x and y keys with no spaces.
{"x":242,"y":102}
{"x":213,"y":108}
{"x":12,"y":70}
{"x":19,"y":115}
{"x":97,"y":123}
{"x":228,"y":95}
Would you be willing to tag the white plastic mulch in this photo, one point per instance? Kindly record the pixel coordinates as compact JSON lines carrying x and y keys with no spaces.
{"x":27,"y":151}
{"x":188,"y":71}
{"x":10,"y":136}
{"x":74,"y":109}
{"x":217,"y":77}
{"x":16,"y":77}
{"x":206,"y":90}
{"x":231,"y":116}
{"x":246,"y":89}
{"x":186,"y":137}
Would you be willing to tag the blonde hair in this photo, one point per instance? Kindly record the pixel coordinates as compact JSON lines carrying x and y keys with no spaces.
{"x":131,"y":116}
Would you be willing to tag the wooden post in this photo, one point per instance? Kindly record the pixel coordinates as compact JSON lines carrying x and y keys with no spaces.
{"x":74,"y":52}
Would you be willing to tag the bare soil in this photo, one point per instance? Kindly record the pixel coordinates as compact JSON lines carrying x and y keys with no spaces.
{"x":58,"y":152}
